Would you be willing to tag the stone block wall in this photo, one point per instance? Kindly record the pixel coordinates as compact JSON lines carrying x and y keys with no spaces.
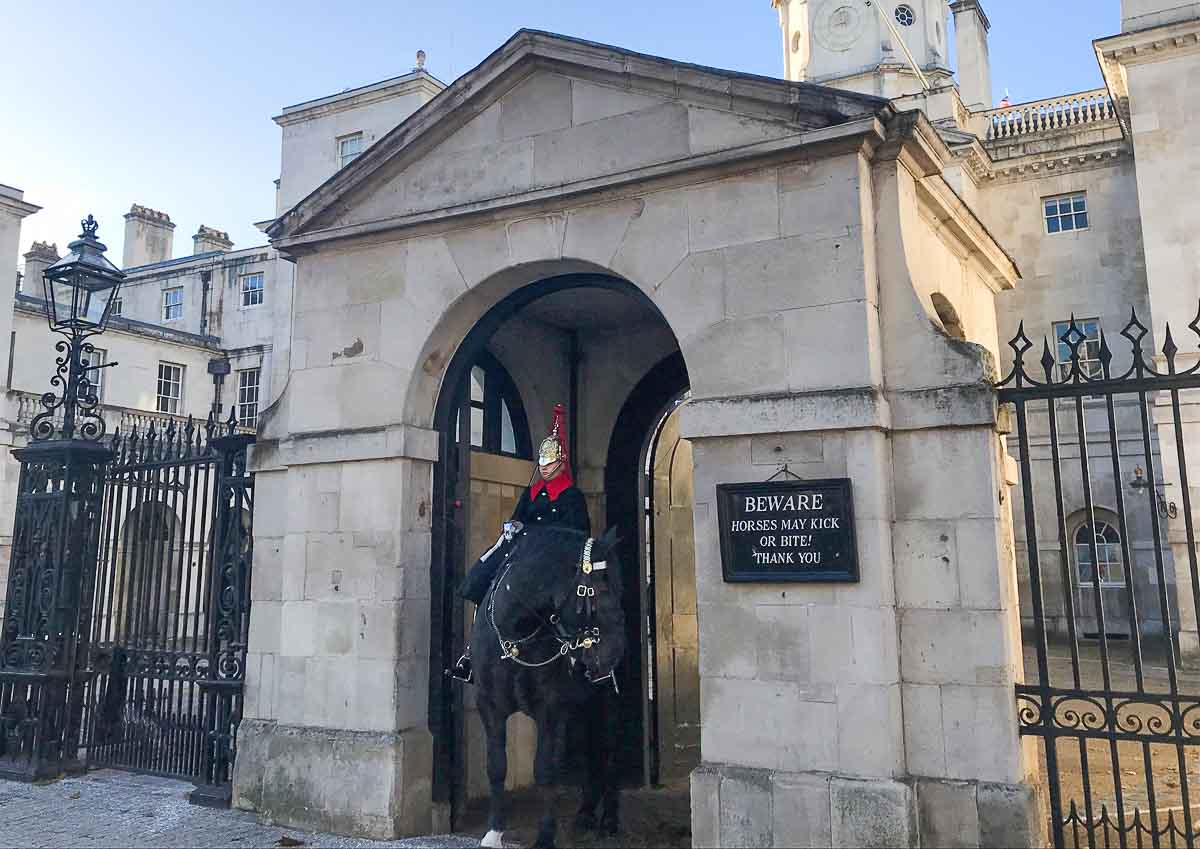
{"x":335,"y":731}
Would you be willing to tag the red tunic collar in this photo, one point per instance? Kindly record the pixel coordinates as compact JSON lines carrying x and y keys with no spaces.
{"x":554,"y":487}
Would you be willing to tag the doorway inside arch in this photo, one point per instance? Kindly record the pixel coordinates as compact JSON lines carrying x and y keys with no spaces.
{"x":598,"y":345}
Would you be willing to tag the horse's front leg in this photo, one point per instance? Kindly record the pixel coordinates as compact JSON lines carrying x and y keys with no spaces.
{"x":495,"y":729}
{"x":548,"y":771}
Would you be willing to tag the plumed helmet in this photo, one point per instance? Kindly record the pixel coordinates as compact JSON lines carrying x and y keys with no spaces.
{"x":554,"y":447}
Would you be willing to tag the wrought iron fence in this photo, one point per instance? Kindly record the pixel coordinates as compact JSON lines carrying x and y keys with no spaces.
{"x":169,"y":622}
{"x":1118,"y":722}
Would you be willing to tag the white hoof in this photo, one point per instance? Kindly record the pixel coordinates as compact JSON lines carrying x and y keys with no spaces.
{"x":493,"y":840}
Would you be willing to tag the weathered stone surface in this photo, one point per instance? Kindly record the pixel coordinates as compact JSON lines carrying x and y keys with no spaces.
{"x":537,"y":105}
{"x":766,"y":724}
{"x":706,"y":806}
{"x":655,"y":242}
{"x":949,"y":814}
{"x":734,"y":211}
{"x":801,"y":810}
{"x":662,"y":134}
{"x":869,"y":730}
{"x":592,"y":102}
{"x":713,"y":129}
{"x":872,"y":813}
{"x":1010,"y":815}
{"x":745,"y":356}
{"x":331,"y":780}
{"x":745,"y":807}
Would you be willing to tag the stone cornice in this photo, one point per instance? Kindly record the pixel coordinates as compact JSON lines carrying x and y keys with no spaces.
{"x":1149,"y":45}
{"x":1146,"y":46}
{"x":1058,"y":162}
{"x":342,"y":446}
{"x":11,"y":202}
{"x":984,"y":169}
{"x":415,"y":83}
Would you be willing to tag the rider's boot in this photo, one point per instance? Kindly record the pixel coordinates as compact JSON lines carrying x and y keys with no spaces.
{"x":462,"y":670}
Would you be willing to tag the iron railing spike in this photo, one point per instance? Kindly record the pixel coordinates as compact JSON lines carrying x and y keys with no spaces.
{"x":1105,"y":355}
{"x":1195,"y":325}
{"x":1170,"y":349}
{"x":1047,"y":360}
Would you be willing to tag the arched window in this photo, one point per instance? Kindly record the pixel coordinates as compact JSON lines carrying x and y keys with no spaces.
{"x":498,"y":424}
{"x":1109,"y":561}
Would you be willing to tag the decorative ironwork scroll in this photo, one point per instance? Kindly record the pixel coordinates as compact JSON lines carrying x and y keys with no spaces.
{"x":71,"y":413}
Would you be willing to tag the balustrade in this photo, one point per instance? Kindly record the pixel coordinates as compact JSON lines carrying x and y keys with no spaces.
{"x":124,"y":418}
{"x":1056,"y":113}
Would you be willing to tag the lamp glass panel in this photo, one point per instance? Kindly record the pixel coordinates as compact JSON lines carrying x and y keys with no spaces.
{"x":63,"y":301}
{"x":95,"y":305}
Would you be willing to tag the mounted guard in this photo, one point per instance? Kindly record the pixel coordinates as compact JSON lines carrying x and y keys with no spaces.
{"x":551,"y":500}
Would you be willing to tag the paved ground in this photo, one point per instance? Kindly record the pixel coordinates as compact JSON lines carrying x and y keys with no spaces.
{"x":108,"y":808}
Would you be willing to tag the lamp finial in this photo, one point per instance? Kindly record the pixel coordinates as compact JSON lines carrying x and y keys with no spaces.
{"x":90,"y":226}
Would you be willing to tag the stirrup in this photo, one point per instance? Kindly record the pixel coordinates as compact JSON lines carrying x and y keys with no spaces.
{"x":462,"y":670}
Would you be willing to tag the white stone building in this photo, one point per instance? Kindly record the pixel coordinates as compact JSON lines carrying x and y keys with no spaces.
{"x":829,"y":275}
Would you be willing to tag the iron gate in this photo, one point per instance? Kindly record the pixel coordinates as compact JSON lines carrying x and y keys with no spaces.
{"x":1116,"y":717}
{"x":169,"y":621}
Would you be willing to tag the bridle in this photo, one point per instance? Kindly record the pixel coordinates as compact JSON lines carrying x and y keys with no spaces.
{"x":568,"y":644}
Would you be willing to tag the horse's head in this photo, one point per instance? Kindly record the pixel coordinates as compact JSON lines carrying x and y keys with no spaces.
{"x":590,"y":609}
{"x":552,"y":585}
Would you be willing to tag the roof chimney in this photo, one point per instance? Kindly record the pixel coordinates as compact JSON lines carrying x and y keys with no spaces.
{"x":41,"y":256}
{"x":149,"y":235}
{"x":207,"y":239}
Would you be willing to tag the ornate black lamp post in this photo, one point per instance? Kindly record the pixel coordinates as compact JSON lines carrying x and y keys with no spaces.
{"x":80,"y":289}
{"x":52,"y":572}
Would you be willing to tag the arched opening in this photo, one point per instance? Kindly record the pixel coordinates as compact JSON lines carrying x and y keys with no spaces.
{"x":597,"y":344}
{"x":137,"y":605}
{"x":948,"y":316}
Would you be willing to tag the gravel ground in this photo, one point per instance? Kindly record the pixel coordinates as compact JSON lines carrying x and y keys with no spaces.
{"x":108,"y":808}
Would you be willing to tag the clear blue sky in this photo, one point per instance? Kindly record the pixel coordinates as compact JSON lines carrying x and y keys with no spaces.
{"x":168,"y":104}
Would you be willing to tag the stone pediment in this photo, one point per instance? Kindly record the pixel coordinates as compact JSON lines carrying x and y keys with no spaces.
{"x":546,"y":115}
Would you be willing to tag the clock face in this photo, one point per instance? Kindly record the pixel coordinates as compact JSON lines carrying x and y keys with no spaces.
{"x":838,"y":24}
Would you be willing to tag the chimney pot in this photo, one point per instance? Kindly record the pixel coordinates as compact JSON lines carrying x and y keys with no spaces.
{"x":41,"y":255}
{"x":210,"y":239}
{"x":149,"y":236}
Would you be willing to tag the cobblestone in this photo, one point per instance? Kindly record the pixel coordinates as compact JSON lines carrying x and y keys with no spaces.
{"x":107,"y":808}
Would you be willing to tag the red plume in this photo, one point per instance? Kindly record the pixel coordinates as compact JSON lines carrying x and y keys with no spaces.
{"x":559,"y":428}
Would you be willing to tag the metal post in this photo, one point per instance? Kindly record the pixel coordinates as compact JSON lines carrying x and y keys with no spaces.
{"x":228,"y":619}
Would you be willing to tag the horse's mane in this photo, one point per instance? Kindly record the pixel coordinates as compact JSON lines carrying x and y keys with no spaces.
{"x":560,"y":549}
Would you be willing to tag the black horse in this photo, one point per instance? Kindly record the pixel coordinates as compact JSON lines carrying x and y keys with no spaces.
{"x":547,"y":639}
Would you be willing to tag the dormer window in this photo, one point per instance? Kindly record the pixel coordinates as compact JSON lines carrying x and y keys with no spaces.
{"x":349,"y":147}
{"x":905,"y":16}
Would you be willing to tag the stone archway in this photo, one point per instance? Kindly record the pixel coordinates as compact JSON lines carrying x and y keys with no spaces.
{"x":616,"y":333}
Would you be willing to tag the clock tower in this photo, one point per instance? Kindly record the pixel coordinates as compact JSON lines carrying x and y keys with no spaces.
{"x":868,"y":46}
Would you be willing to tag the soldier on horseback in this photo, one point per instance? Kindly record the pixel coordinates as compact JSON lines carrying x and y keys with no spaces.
{"x":551,"y":500}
